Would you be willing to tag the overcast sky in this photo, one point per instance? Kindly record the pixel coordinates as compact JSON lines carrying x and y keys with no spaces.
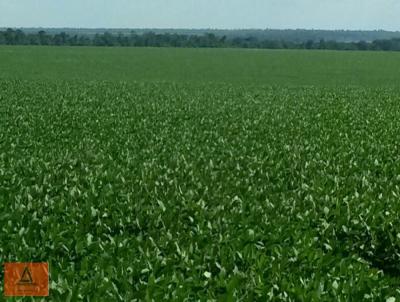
{"x":317,"y":14}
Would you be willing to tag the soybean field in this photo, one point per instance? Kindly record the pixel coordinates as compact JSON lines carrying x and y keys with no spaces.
{"x":201,"y":174}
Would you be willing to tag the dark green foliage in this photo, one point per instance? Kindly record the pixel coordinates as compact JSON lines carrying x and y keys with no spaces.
{"x":289,"y":35}
{"x":191,"y":191}
{"x":203,"y":40}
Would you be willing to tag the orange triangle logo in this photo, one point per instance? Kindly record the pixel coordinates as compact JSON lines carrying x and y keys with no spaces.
{"x":26,"y":277}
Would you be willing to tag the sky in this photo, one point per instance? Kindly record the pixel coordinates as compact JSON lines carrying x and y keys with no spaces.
{"x":221,"y":14}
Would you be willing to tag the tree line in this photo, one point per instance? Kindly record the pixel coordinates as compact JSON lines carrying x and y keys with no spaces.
{"x":151,"y":39}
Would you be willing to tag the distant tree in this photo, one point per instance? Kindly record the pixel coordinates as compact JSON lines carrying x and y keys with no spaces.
{"x":222,"y":40}
{"x":122,"y":40}
{"x":2,"y":38}
{"x":73,"y":40}
{"x":108,"y":39}
{"x":32,"y":39}
{"x":84,"y":40}
{"x":331,"y":45}
{"x":43,"y":38}
{"x":362,"y":45}
{"x":395,"y":45}
{"x":61,"y":39}
{"x":19,"y":37}
{"x":309,"y":44}
{"x":97,"y":40}
{"x":9,"y":36}
{"x":204,"y":39}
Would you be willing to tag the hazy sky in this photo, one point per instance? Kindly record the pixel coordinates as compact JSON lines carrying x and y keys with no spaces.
{"x":317,"y":14}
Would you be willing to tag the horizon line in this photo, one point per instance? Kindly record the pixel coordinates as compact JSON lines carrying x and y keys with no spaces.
{"x":199,"y":28}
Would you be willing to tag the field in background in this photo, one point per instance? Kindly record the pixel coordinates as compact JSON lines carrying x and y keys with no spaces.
{"x":237,"y":66}
{"x":174,"y":174}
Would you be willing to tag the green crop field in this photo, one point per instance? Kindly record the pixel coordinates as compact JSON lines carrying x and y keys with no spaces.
{"x":202,"y":175}
{"x":237,"y":66}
